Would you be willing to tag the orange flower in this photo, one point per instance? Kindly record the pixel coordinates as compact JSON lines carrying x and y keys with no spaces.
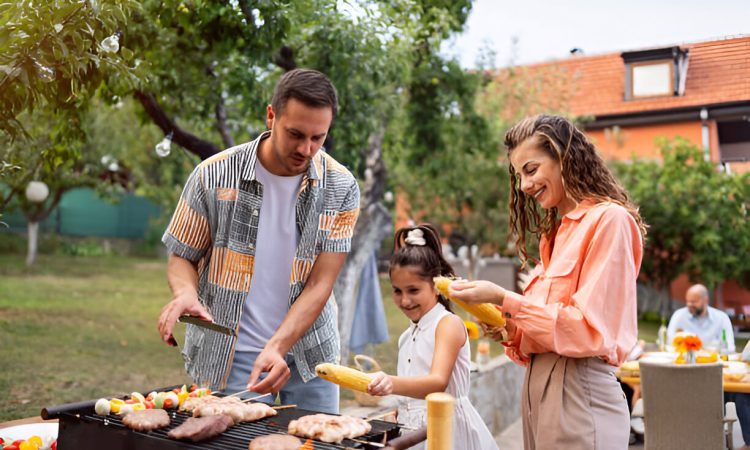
{"x":679,"y":343}
{"x":693,"y":342}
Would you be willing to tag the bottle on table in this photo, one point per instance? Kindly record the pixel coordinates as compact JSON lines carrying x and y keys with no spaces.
{"x":483,"y":352}
{"x":724,"y":346}
{"x":661,"y":338}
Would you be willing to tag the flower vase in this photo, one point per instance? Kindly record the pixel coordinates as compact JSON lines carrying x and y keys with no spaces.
{"x":690,"y":357}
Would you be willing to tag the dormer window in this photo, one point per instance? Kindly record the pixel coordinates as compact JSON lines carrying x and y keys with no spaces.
{"x":652,"y":79}
{"x":655,"y":73}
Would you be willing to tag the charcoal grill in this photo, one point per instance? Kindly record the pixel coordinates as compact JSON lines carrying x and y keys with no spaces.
{"x":81,"y":429}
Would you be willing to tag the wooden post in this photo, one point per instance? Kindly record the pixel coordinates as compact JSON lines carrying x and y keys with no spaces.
{"x":439,"y":421}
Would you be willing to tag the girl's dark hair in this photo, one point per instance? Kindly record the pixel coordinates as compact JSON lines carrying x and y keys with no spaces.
{"x":427,"y":259}
{"x":584,"y":174}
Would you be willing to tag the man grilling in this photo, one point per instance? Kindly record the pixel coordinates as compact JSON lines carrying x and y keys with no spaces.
{"x":256,"y":242}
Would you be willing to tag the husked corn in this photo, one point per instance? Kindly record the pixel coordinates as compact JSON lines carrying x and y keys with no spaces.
{"x":344,"y":376}
{"x":485,"y":312}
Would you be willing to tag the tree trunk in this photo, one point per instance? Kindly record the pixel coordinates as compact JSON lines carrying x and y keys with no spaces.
{"x":33,"y":239}
{"x":373,"y":225}
{"x":221,"y":124}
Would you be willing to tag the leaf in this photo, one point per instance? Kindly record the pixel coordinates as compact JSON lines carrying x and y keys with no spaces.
{"x":127,"y":54}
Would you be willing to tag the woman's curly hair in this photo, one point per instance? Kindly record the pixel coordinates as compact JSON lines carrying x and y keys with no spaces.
{"x":585,"y":176}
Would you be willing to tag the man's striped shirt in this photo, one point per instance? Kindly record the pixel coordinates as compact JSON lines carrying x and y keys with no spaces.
{"x":215,"y":225}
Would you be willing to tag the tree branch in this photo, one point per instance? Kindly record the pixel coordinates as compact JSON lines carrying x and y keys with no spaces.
{"x":221,"y":123}
{"x":285,"y":59}
{"x":247,"y":11}
{"x":192,"y":143}
{"x":374,"y":224}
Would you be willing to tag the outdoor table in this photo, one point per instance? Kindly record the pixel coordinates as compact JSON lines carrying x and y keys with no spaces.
{"x":25,"y":421}
{"x":730,"y":385}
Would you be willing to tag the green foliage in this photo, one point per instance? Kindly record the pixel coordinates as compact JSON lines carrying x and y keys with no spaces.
{"x":440,"y":150}
{"x":201,"y":53}
{"x":114,"y":134}
{"x":200,"y":57}
{"x":697,"y":216}
{"x":446,"y":150}
{"x":367,"y":62}
{"x":40,"y":159}
{"x":84,"y":248}
{"x":11,"y":244}
{"x":52,"y":55}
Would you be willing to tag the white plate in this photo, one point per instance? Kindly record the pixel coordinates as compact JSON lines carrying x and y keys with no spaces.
{"x":662,"y":355}
{"x":658,"y":359}
{"x":43,"y":430}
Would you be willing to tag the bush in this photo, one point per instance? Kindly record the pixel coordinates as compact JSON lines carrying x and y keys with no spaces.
{"x":12,"y":244}
{"x":85,"y":248}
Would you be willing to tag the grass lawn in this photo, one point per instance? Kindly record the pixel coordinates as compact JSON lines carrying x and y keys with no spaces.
{"x":79,"y":328}
{"x":76,"y":328}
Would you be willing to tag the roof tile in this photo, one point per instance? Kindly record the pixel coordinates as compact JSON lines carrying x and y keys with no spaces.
{"x":718,"y":72}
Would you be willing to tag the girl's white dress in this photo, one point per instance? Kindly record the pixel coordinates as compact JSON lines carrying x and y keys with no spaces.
{"x":416,"y":346}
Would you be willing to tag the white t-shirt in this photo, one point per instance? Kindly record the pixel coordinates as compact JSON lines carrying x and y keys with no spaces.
{"x":267,"y":303}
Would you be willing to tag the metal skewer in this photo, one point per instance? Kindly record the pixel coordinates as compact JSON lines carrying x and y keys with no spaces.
{"x":238,"y":393}
{"x":256,"y":397}
{"x":374,"y":444}
{"x":380,"y":416}
{"x":277,"y":407}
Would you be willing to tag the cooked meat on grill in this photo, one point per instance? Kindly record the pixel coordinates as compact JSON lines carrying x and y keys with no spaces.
{"x":198,"y":429}
{"x":275,"y":442}
{"x":328,"y":428}
{"x":240,"y":412}
{"x":146,"y":419}
{"x":191,"y":403}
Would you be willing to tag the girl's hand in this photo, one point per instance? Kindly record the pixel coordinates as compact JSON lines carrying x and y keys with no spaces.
{"x":478,"y":291}
{"x":381,"y":384}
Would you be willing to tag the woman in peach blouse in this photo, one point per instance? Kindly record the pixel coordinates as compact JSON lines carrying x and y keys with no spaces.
{"x":576,"y":320}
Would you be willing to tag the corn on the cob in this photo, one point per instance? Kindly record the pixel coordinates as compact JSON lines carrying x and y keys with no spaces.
{"x":344,"y":376}
{"x":485,"y":312}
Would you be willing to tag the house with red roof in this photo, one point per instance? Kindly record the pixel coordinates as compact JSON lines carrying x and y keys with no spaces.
{"x":699,"y":91}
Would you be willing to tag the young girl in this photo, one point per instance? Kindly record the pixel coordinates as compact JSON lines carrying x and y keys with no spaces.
{"x":434,"y":351}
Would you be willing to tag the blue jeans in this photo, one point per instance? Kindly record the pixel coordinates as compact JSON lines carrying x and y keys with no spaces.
{"x":315,"y":395}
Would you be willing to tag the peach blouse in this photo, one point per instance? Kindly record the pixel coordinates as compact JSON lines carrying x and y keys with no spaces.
{"x":581,"y":299}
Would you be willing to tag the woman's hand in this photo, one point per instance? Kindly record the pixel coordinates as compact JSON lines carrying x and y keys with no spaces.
{"x":381,"y":384}
{"x":499,"y":334}
{"x":478,"y":291}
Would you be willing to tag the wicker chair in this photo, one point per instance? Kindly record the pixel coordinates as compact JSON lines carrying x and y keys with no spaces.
{"x":683,"y":407}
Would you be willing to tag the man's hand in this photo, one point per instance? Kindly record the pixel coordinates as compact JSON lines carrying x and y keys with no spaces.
{"x":273,"y":362}
{"x":479,"y":291}
{"x":180,"y":305}
{"x":381,"y":384}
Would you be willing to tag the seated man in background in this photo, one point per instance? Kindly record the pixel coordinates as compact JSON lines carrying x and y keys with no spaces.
{"x":709,"y":323}
{"x":700,"y":319}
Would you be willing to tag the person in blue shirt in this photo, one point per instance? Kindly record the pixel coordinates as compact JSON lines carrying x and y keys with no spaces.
{"x":702,"y":320}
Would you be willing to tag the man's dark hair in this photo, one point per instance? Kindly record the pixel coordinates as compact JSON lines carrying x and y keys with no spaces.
{"x":308,"y":86}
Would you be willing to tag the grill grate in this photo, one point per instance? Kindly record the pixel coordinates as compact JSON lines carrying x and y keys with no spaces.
{"x":240,"y":435}
{"x":81,"y":429}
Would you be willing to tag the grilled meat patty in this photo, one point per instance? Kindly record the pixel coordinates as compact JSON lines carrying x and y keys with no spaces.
{"x":275,"y":442}
{"x":146,"y":419}
{"x":198,"y":429}
{"x":329,"y":428}
{"x":240,"y":412}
